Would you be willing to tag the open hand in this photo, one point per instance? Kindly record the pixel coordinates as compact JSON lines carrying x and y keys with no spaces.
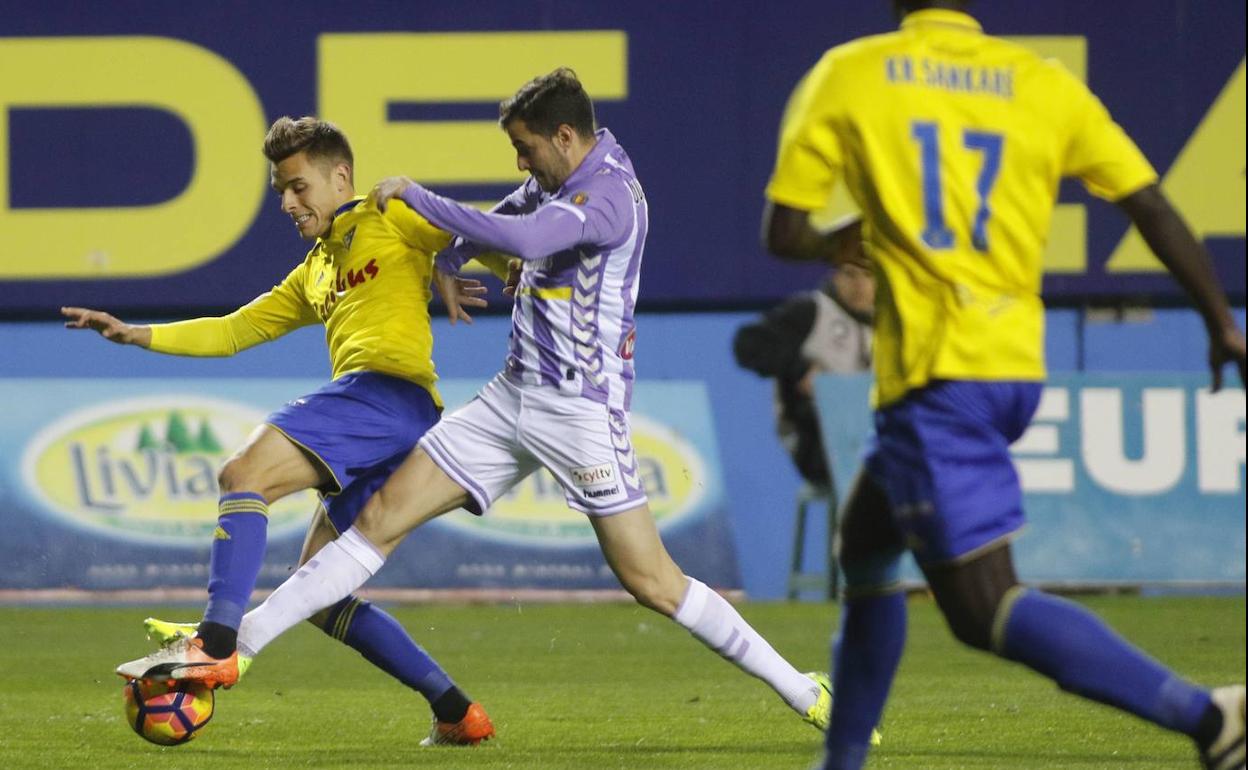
{"x":459,"y":293}
{"x":109,"y":327}
{"x":390,"y":187}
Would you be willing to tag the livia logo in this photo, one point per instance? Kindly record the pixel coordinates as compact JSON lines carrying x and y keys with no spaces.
{"x":146,"y":469}
{"x":672,"y":471}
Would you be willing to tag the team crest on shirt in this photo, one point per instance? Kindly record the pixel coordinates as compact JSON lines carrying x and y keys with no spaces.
{"x":579,"y":199}
{"x":346,"y":239}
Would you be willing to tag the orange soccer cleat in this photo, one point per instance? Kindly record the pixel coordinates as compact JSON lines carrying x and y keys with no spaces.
{"x":469,"y":731}
{"x":184,"y":660}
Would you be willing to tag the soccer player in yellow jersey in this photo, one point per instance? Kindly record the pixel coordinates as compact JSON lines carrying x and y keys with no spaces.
{"x":367,"y":279}
{"x":952,"y":143}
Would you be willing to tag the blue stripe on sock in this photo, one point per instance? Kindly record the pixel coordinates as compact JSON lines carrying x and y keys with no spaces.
{"x":384,"y":642}
{"x":230,"y":497}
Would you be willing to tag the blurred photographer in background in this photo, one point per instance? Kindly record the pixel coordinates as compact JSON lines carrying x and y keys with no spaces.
{"x":824,"y":330}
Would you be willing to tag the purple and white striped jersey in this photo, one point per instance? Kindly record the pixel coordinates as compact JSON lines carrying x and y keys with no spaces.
{"x":573,"y":323}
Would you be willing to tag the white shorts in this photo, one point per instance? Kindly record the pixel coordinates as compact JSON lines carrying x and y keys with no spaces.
{"x":510,"y":430}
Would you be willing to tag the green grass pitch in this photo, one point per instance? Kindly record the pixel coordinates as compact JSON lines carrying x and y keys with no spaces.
{"x":591,"y":686}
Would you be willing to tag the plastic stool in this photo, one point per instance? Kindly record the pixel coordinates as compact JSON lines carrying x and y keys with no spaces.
{"x":810,"y":498}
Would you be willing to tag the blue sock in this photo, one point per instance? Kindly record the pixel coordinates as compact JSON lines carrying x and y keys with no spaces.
{"x":864,"y":659}
{"x":1077,"y":650}
{"x":384,"y":642}
{"x":237,"y":553}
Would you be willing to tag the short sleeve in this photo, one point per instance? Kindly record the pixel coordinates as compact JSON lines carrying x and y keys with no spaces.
{"x":809,"y":158}
{"x":1098,"y":151}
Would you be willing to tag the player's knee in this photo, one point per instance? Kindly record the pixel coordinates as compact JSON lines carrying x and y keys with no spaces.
{"x":970,"y":630}
{"x":871,"y":574}
{"x":368,"y":522}
{"x":236,"y":476}
{"x":970,"y":617}
{"x":372,"y":523}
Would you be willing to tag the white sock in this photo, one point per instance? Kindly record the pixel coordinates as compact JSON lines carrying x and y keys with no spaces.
{"x":333,"y":573}
{"x":717,"y":625}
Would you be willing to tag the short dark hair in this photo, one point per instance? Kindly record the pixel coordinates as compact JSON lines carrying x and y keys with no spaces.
{"x":909,"y":6}
{"x":320,"y":139}
{"x":549,"y":101}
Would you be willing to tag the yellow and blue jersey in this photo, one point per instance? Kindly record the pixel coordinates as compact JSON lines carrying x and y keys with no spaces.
{"x":367,"y":281}
{"x":952,"y":143}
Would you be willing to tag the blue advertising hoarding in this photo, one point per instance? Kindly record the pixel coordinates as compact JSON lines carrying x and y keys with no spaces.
{"x":1126,"y":478}
{"x":132,"y":177}
{"x":113,"y":487}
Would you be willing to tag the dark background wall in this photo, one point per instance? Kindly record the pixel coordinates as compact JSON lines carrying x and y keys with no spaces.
{"x":694,"y":89}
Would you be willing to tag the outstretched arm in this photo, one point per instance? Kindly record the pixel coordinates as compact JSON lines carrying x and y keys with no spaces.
{"x":110,"y":328}
{"x":522,"y":200}
{"x":1174,"y":244}
{"x":267,"y":317}
{"x":203,"y":337}
{"x":553,"y":227}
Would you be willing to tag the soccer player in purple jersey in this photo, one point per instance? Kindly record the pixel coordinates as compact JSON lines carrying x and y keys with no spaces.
{"x":953,"y":142}
{"x":579,"y":225}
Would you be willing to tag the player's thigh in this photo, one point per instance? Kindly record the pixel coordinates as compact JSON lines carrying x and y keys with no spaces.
{"x":271,"y":465}
{"x":869,"y":544}
{"x":356,"y":422}
{"x":969,"y":592}
{"x":631,"y":544}
{"x":416,"y":492}
{"x":476,"y":445}
{"x":588,"y":447}
{"x":343,"y":508}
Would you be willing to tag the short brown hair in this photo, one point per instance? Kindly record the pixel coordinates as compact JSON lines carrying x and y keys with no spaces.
{"x":320,"y":139}
{"x":549,"y":101}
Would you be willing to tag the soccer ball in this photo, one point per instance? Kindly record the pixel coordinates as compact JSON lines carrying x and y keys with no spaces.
{"x":169,"y":712}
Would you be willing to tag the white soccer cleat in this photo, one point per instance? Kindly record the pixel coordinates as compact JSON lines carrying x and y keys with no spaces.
{"x":1227,"y":751}
{"x":166,"y":632}
{"x":183,"y":660}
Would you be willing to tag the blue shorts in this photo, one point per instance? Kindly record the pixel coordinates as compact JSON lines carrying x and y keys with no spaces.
{"x":942,"y":456}
{"x":359,"y":427}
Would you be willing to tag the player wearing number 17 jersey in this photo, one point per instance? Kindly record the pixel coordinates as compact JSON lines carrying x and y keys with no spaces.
{"x":952,"y":143}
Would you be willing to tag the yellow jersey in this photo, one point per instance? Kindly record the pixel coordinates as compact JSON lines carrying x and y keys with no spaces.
{"x":368,"y":281}
{"x":952,"y":143}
